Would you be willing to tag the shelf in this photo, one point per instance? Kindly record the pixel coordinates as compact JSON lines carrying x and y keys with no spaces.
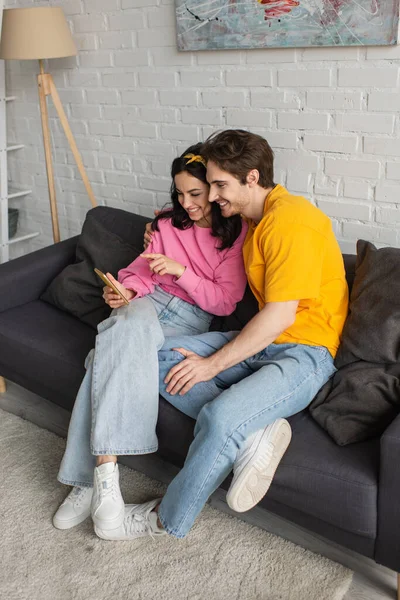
{"x":15,"y":147}
{"x":18,"y":193}
{"x":7,"y":191}
{"x":23,"y":237}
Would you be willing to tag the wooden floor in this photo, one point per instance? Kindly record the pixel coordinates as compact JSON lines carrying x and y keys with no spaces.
{"x":370,"y":582}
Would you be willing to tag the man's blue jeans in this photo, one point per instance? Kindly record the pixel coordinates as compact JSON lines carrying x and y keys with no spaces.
{"x":279,"y":381}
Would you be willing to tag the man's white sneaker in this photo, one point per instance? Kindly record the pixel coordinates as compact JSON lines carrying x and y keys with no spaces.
{"x":256,"y":464}
{"x":107,"y":502}
{"x":140,"y":521}
{"x":75,"y":508}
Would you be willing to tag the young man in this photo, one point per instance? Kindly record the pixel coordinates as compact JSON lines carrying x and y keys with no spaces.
{"x":242,"y":385}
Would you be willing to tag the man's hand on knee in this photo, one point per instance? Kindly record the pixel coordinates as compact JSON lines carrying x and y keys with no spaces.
{"x":193,"y":369}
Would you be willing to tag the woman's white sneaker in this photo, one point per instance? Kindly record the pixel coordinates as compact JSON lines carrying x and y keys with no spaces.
{"x":140,"y":521}
{"x":75,"y":508}
{"x":256,"y":464}
{"x":107,"y":502}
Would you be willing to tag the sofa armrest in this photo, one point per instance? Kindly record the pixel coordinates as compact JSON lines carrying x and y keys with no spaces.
{"x":387,"y":550}
{"x":24,"y":279}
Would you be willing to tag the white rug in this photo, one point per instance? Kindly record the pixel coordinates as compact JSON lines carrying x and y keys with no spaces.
{"x":222,"y":558}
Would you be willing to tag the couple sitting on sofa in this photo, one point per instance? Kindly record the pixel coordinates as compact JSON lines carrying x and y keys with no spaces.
{"x":239,"y":386}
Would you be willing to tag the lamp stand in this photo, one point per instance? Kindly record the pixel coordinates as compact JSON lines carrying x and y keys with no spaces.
{"x":46,"y":88}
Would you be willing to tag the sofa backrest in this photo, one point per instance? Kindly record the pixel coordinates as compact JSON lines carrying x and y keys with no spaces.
{"x":350,"y":266}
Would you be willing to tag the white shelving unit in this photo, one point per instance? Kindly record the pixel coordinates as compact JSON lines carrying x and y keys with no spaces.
{"x":7,"y":193}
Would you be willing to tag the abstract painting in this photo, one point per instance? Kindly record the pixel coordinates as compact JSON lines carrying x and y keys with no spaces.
{"x":221,"y":24}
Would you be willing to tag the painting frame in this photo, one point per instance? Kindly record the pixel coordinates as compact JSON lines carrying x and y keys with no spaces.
{"x":248,"y":24}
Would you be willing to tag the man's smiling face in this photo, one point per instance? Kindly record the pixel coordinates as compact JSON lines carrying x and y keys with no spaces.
{"x":227,"y":191}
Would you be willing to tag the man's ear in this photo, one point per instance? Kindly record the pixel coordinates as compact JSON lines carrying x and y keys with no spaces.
{"x":253,"y":177}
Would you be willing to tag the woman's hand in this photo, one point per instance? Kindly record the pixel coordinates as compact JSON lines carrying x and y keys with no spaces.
{"x":148,"y":234}
{"x":162,"y":265}
{"x":111,"y":298}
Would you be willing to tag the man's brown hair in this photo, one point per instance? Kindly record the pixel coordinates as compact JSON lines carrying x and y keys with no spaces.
{"x":238,"y":152}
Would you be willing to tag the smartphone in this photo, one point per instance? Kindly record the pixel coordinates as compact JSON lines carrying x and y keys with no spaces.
{"x":105,"y":279}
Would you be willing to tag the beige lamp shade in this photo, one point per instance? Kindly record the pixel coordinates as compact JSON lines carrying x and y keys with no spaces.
{"x":35,"y":33}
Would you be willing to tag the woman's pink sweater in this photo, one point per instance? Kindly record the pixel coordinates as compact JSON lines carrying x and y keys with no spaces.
{"x":214,"y":279}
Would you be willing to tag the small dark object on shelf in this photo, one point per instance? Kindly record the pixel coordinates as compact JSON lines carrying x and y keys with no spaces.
{"x":13,"y":214}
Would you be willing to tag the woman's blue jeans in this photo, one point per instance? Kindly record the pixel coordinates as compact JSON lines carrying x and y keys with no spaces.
{"x":279,"y":381}
{"x":116,"y":409}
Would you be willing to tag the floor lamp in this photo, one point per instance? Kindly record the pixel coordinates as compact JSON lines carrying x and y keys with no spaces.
{"x":41,"y":33}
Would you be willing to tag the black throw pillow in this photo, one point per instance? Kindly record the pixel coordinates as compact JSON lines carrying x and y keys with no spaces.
{"x":359,"y":402}
{"x":363,"y":396}
{"x":372,"y":329}
{"x":110,"y":240}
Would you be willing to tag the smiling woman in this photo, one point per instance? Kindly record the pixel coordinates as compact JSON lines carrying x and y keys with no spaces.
{"x":193,"y":197}
{"x":193,"y":269}
{"x":186,"y":191}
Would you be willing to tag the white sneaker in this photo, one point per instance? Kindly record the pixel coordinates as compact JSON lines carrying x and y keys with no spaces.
{"x":107,"y":502}
{"x":140,"y":521}
{"x":75,"y":508}
{"x":256,"y":464}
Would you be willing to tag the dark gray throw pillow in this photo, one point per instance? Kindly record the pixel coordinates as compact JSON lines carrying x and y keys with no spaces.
{"x":111,"y":239}
{"x":358,"y":402}
{"x":372,"y":329}
{"x":363,"y":397}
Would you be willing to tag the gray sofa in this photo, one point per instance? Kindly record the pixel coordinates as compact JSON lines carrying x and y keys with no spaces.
{"x":347,"y":494}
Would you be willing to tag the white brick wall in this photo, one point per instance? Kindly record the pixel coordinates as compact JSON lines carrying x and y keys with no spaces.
{"x":332,"y":116}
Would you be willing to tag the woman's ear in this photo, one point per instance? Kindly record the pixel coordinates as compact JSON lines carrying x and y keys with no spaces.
{"x":253,"y":177}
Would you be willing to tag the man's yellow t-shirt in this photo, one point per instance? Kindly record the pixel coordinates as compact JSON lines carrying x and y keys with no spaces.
{"x":292,"y":254}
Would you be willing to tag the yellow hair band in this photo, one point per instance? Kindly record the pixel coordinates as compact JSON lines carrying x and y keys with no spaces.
{"x":195,"y":158}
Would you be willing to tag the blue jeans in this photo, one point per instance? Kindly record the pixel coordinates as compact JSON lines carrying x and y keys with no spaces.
{"x":279,"y":381}
{"x":116,"y":409}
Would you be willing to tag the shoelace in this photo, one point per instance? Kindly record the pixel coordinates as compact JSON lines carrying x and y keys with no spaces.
{"x":77,"y":495}
{"x":109,"y":490}
{"x":138,"y":523}
{"x":138,"y":520}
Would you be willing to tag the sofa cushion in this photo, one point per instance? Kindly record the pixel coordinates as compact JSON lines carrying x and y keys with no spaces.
{"x":50,"y":347}
{"x":334,"y":484}
{"x":110,"y":240}
{"x":363,"y":397}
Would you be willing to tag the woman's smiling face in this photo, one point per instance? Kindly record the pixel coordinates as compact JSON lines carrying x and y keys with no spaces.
{"x":193,"y":197}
